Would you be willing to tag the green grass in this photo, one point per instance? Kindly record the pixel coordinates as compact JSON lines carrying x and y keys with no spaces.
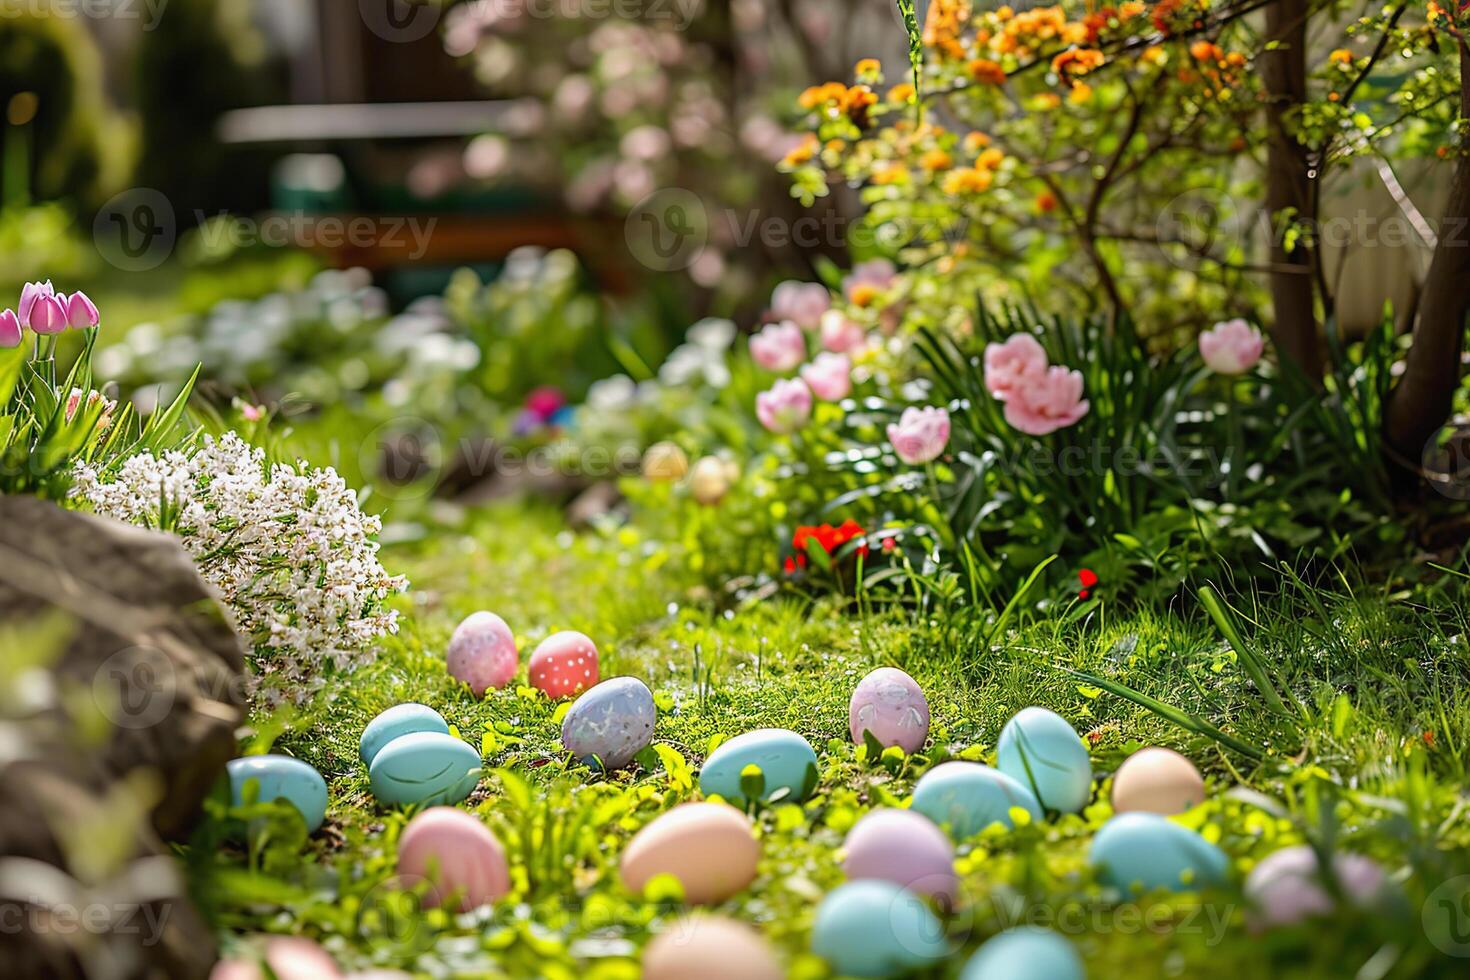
{"x":1373,"y":672}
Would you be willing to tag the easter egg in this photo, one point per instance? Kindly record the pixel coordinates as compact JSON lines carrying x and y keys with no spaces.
{"x":876,"y":929}
{"x":610,"y":723}
{"x":966,"y":797}
{"x":565,"y":663}
{"x":1039,"y":750}
{"x":289,"y":958}
{"x":281,"y":777}
{"x":1145,"y":852}
{"x":665,"y":461}
{"x":1157,"y":780}
{"x":787,"y":763}
{"x":424,"y":767}
{"x":482,"y":652}
{"x":902,"y":847}
{"x":710,"y":847}
{"x":709,"y":480}
{"x":457,"y":854}
{"x":401,"y":719}
{"x":889,"y":704}
{"x":710,"y":948}
{"x":1288,"y":886}
{"x":1025,"y":953}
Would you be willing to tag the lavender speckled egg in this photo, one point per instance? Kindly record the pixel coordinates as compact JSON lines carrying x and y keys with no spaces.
{"x":280,"y":777}
{"x":482,"y":653}
{"x":401,"y":719}
{"x":711,"y":848}
{"x":1287,"y":887}
{"x":1157,"y":780}
{"x":457,"y":854}
{"x":966,"y":797}
{"x":1025,"y":953}
{"x":708,"y":947}
{"x":1145,"y":852}
{"x":564,"y":663}
{"x":889,"y":703}
{"x":905,"y":848}
{"x":1041,"y":751}
{"x":610,"y":723}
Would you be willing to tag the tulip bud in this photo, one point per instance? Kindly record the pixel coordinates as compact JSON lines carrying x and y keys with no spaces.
{"x":48,"y":315}
{"x":28,"y":296}
{"x":9,"y":330}
{"x":81,"y":312}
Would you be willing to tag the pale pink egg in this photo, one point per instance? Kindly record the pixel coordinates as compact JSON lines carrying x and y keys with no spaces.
{"x":710,"y":948}
{"x":889,"y":704}
{"x":457,"y":854}
{"x":565,"y":663}
{"x":904,"y":847}
{"x":1288,"y":886}
{"x":1157,"y":780}
{"x":709,"y":847}
{"x":289,"y":957}
{"x":482,"y":652}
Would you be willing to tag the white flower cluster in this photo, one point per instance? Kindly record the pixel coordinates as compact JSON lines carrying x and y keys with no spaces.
{"x":286,"y":546}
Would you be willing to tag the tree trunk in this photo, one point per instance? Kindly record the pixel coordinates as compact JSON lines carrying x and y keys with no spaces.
{"x":1421,"y":402}
{"x":1289,"y":187}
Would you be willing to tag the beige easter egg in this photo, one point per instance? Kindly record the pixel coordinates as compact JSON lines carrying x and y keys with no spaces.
{"x":1157,"y":780}
{"x":709,"y":948}
{"x":665,"y":461}
{"x":709,"y":480}
{"x":709,"y":847}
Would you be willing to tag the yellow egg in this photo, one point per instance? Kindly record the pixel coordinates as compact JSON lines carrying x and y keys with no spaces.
{"x":665,"y":461}
{"x":709,"y":847}
{"x":709,"y":948}
{"x":1157,"y":780}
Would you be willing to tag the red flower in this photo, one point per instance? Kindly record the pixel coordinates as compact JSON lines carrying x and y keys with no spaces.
{"x":1089,"y":581}
{"x":829,"y":538}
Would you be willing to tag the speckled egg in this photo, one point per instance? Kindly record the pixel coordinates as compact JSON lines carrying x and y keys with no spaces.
{"x":1144,"y":852}
{"x":610,"y":723}
{"x":876,"y":929}
{"x":424,"y":767}
{"x":482,"y":652}
{"x":401,"y":719}
{"x":1287,"y":887}
{"x":1157,"y":780}
{"x":708,"y":947}
{"x":966,"y":797}
{"x":787,"y":762}
{"x":710,"y":847}
{"x":289,"y":958}
{"x":1039,"y":750}
{"x":1025,"y":953}
{"x":902,"y":847}
{"x":564,"y":663}
{"x":889,"y":704}
{"x":281,"y":777}
{"x":457,"y":854}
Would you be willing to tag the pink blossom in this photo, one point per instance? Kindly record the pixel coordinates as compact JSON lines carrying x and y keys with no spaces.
{"x":29,"y":294}
{"x":81,"y":312}
{"x":779,"y":347}
{"x":47,"y":315}
{"x":803,"y":303}
{"x":9,"y":330}
{"x":1231,"y":347}
{"x":786,"y":407}
{"x":1013,"y":365}
{"x":841,"y":335}
{"x":829,"y":376}
{"x":920,"y":434}
{"x":1046,"y":402}
{"x":876,"y":273}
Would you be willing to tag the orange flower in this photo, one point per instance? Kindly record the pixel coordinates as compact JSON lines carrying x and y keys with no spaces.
{"x":863,"y":294}
{"x":976,"y":141}
{"x":1077,"y":62}
{"x":902,"y":92}
{"x":967,"y":180}
{"x":868,"y":67}
{"x":1081,"y":92}
{"x":802,"y":152}
{"x":1046,"y":202}
{"x":936,"y":160}
{"x":987,"y":72}
{"x":819,"y":95}
{"x":1342,"y":56}
{"x":944,"y":24}
{"x":890,"y":173}
{"x":990,"y":159}
{"x":1154,"y":55}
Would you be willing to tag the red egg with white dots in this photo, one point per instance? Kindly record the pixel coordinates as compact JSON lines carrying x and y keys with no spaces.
{"x":565,"y":663}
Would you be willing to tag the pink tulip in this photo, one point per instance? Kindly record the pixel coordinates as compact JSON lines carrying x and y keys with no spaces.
{"x":877,"y":273}
{"x":47,"y":315}
{"x":31,"y":292}
{"x":841,"y":335}
{"x":786,"y":407}
{"x":1013,"y":365}
{"x":9,"y":330}
{"x":920,"y":434}
{"x":803,"y":303}
{"x":829,"y":376}
{"x":1044,"y":403}
{"x":81,"y":312}
{"x":779,"y":347}
{"x":1231,"y":347}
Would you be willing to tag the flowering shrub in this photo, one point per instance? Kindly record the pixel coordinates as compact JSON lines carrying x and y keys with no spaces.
{"x":287,"y":546}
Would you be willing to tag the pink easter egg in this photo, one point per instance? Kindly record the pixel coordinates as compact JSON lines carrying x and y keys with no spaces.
{"x":1287,"y":887}
{"x":482,"y":652}
{"x":457,"y":854}
{"x":905,"y":848}
{"x":889,"y":704}
{"x":289,"y":957}
{"x":565,"y":663}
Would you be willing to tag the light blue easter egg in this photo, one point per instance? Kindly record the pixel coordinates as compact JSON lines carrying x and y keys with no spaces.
{"x":874,"y":928}
{"x":966,"y":797}
{"x":610,"y":723}
{"x":1025,"y":953}
{"x":1039,"y":750}
{"x":401,"y":719}
{"x":787,"y":763}
{"x":424,"y":767}
{"x":281,"y":777}
{"x":1145,"y":852}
